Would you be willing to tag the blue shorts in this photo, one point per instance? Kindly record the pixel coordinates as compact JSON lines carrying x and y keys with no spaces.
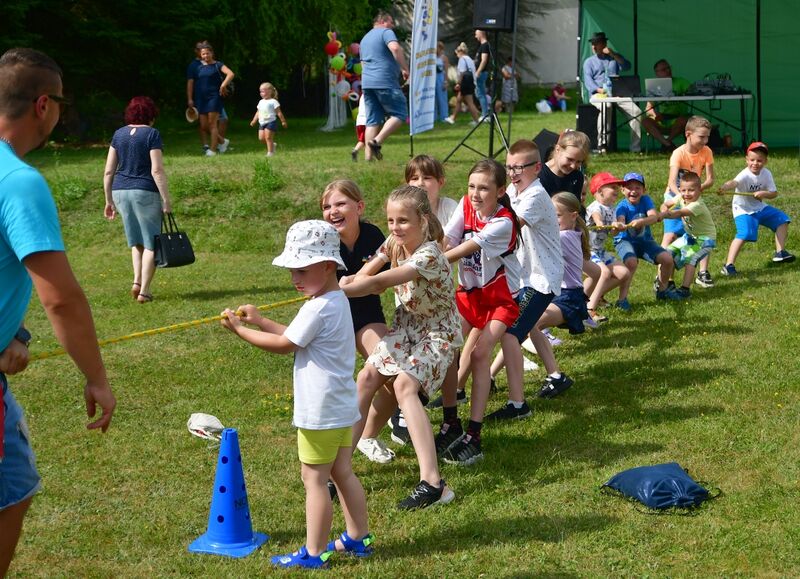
{"x":532,"y":305}
{"x":674,"y":226}
{"x":572,"y":303}
{"x":270,"y":126}
{"x":384,"y":102}
{"x":747,"y":225}
{"x":603,"y":257}
{"x":644,"y":248}
{"x":141,"y":215}
{"x":19,"y":479}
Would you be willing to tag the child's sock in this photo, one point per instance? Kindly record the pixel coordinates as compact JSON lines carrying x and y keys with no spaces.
{"x":556,"y":375}
{"x":474,"y":430}
{"x":450,"y":414}
{"x":516,"y":404}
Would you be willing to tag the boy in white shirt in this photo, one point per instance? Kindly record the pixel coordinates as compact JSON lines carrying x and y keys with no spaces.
{"x":749,"y":211}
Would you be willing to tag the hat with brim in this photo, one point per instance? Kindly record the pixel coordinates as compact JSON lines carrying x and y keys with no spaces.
{"x":758,"y":145}
{"x":191,"y":114}
{"x":310,"y":242}
{"x":633,"y":177}
{"x":598,"y":37}
{"x":601,"y":180}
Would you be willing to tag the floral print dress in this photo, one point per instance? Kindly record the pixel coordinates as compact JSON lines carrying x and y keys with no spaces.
{"x":426,"y":331}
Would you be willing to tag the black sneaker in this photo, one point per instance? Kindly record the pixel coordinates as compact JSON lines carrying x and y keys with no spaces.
{"x":425,"y":495}
{"x":461,"y":398}
{"x":399,"y":428}
{"x":332,"y":490}
{"x":552,"y":387}
{"x":464,"y":452}
{"x":354,"y":155}
{"x":375,"y":147}
{"x":447,"y":436}
{"x":782,"y":256}
{"x":703,"y":279}
{"x":510,"y":412}
{"x":684,"y":291}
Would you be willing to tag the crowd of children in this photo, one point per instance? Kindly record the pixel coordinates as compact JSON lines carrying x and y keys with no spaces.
{"x":527,"y":260}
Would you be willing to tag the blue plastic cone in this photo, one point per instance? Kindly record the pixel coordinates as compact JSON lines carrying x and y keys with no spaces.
{"x":230,"y":531}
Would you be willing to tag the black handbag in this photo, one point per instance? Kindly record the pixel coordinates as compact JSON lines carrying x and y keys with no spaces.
{"x":172,"y":247}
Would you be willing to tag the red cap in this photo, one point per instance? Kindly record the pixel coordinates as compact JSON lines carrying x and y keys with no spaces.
{"x":601,"y":180}
{"x":758,"y":145}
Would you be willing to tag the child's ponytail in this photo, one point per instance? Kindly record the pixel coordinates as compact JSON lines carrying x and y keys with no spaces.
{"x":569,"y":202}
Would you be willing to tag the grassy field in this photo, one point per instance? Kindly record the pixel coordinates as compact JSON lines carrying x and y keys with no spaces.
{"x":711,"y":384}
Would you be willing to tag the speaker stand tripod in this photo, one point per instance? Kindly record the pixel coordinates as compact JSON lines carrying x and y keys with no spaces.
{"x":494,"y":124}
{"x":491,"y":118}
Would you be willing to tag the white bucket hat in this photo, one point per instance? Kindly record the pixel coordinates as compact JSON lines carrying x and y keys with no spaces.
{"x":310,"y":242}
{"x":191,"y":114}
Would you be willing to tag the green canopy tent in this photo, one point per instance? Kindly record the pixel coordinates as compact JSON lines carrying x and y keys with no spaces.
{"x":752,"y":40}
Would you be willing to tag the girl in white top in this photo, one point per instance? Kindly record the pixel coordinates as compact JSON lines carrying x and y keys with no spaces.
{"x":322,"y":340}
{"x":267,"y":114}
{"x":465,"y":87}
{"x":425,"y":334}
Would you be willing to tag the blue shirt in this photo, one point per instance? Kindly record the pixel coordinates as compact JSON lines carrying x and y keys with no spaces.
{"x":630,"y":212}
{"x":28,"y":224}
{"x":191,"y":74}
{"x":133,"y":158}
{"x":597,"y":68}
{"x":380,"y":69}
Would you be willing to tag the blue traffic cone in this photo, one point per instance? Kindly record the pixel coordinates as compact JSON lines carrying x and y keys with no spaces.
{"x":230,"y":531}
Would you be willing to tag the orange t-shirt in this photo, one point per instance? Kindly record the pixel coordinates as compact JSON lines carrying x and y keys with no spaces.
{"x":694,"y":162}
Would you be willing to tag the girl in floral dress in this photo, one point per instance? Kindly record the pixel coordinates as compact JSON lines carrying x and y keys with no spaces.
{"x":414,"y":355}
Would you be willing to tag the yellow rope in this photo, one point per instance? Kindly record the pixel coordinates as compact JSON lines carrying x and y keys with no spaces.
{"x":165,"y":329}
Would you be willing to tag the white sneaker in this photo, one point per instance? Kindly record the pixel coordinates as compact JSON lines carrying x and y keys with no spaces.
{"x":210,"y":153}
{"x":375,"y":450}
{"x":529,"y":365}
{"x":224,"y":146}
{"x":528,"y":345}
{"x":270,"y":154}
{"x":473,"y":123}
{"x":450,"y":121}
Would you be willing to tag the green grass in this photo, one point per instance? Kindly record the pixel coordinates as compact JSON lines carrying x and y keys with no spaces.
{"x":711,"y":384}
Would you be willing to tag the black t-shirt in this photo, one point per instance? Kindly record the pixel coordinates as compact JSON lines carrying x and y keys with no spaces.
{"x":366,"y":309}
{"x":553,"y":184}
{"x":483,"y":49}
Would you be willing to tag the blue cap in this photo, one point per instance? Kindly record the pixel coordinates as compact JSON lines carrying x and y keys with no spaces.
{"x":634,"y":177}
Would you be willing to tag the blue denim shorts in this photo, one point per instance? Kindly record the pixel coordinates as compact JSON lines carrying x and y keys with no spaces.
{"x":384,"y":102}
{"x":532,"y":305}
{"x":141,"y":215}
{"x":19,"y":479}
{"x":644,"y":248}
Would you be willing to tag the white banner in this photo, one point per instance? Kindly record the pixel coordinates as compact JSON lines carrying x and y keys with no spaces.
{"x":422,"y":87}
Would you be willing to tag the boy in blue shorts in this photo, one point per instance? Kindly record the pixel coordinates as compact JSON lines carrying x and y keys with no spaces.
{"x":700,"y":237}
{"x":637,"y":211}
{"x":749,"y":210}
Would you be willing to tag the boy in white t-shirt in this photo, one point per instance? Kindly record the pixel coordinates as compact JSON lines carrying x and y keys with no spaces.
{"x":268,"y":111}
{"x":325,"y":403}
{"x":749,"y":211}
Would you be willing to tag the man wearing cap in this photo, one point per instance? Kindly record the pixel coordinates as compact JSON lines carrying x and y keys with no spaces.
{"x":597,"y":71}
{"x":32,"y":254}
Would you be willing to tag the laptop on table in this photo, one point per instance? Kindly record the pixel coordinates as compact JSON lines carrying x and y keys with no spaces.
{"x":658,"y":87}
{"x":625,"y":86}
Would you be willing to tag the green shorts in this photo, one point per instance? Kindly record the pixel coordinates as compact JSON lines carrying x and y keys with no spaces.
{"x":322,"y":446}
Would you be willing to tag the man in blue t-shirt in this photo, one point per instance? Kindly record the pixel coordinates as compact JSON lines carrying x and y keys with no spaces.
{"x":32,"y":253}
{"x":383,"y":63}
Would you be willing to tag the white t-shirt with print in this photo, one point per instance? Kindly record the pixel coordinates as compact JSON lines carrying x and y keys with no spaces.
{"x":597,"y":237}
{"x":540,"y":252}
{"x":748,"y":182}
{"x":324,"y":389}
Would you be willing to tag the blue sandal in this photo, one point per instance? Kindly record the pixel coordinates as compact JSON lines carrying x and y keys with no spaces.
{"x":358,"y":547}
{"x":301,"y":558}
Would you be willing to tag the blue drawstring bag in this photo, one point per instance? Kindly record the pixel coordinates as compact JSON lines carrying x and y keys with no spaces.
{"x":661,"y":486}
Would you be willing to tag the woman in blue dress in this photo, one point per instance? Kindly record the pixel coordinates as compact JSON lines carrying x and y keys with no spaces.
{"x":211,"y":82}
{"x":442,"y":66}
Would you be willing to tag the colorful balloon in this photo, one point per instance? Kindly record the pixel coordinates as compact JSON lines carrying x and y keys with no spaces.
{"x":355,"y":48}
{"x":337,"y":63}
{"x":357,"y":68}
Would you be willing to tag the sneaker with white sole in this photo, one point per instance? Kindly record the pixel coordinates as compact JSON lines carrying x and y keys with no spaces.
{"x":510,"y":412}
{"x":450,"y":121}
{"x":399,"y":428}
{"x":704,"y":279}
{"x":224,"y":146}
{"x":210,"y":153}
{"x":782,"y":256}
{"x":426,"y":495}
{"x":729,"y":270}
{"x":375,"y":450}
{"x":529,"y":365}
{"x":553,"y":340}
{"x":552,"y":387}
{"x":447,"y":436}
{"x":465,"y":452}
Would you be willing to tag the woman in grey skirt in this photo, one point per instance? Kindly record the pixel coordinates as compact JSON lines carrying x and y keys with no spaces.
{"x":135,"y":185}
